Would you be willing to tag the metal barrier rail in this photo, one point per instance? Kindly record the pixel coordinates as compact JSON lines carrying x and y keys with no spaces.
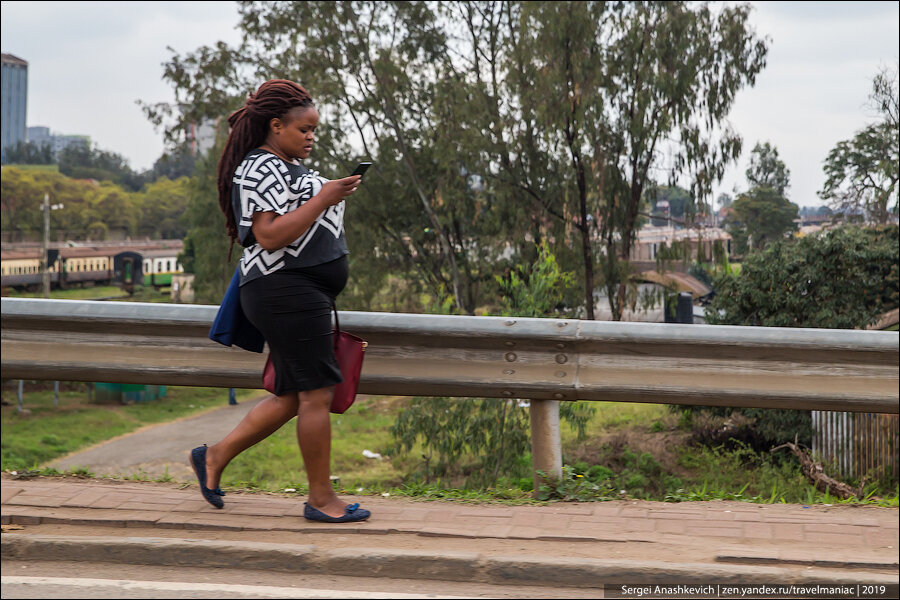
{"x":437,"y":355}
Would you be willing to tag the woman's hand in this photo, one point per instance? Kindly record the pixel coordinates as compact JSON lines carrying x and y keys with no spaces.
{"x":335,"y":191}
{"x":274,"y":232}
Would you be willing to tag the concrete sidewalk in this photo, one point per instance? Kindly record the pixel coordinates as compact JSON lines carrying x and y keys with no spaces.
{"x":580,"y":544}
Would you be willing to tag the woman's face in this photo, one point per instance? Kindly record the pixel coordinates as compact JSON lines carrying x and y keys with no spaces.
{"x":295,"y":134}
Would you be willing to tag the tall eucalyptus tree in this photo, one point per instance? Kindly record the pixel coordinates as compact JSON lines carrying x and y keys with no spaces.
{"x":584,"y":105}
{"x":494,"y":124}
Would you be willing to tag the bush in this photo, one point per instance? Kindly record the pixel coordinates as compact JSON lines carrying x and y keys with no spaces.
{"x":757,"y":428}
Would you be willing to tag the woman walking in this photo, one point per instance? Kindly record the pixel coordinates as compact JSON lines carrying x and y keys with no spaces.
{"x":290,"y":224}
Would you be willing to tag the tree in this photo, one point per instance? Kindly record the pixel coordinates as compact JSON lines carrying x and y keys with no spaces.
{"x":29,"y":153}
{"x":862,"y":173}
{"x":23,"y":193}
{"x":763,"y":213}
{"x":207,"y":251}
{"x":91,"y":162}
{"x":373,"y":69}
{"x":681,"y":207}
{"x":537,"y":289}
{"x":173,"y":164}
{"x":115,"y":207}
{"x":675,"y":73}
{"x":496,"y":125}
{"x":579,"y":102}
{"x":839,"y":279}
{"x":768,"y":171}
{"x":20,"y":202}
{"x":154,"y":212}
{"x":494,"y":431}
{"x":162,"y":205}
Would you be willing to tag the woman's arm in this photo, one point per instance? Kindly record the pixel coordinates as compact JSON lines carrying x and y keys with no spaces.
{"x":273,"y":231}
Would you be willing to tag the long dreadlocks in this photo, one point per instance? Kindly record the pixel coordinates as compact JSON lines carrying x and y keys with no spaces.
{"x":249,"y":126}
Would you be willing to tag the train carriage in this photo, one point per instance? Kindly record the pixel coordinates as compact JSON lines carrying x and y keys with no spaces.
{"x":20,"y":268}
{"x":160,"y":265}
{"x":150,"y":262}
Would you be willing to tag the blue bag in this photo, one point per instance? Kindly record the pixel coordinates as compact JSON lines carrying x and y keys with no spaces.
{"x":231,"y":326}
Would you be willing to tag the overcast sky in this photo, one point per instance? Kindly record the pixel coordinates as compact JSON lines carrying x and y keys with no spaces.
{"x":90,"y":61}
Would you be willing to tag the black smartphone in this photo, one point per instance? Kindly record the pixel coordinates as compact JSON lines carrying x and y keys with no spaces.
{"x":361,"y":168}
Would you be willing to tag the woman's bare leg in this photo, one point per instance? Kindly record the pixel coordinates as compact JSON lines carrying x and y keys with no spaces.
{"x":314,"y":437}
{"x":262,"y":421}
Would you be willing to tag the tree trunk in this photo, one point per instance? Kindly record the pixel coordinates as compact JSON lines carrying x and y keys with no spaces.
{"x":815,"y":472}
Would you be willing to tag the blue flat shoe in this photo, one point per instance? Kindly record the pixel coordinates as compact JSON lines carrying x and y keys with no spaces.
{"x":352,"y":514}
{"x":198,"y":462}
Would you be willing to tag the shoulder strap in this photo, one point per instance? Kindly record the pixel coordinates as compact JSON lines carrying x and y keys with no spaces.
{"x":337,"y":324}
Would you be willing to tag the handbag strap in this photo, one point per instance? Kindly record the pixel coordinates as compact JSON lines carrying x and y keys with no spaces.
{"x":337,"y":323}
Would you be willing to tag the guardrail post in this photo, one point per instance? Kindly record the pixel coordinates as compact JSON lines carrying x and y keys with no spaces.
{"x":19,"y":396}
{"x":546,"y":446}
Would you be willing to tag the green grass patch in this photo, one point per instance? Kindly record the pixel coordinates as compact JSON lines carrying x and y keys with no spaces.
{"x":46,"y":432}
{"x":49,"y":168}
{"x":105,"y":292}
{"x":275,"y":463}
{"x":649,"y":455}
{"x":79,"y":293}
{"x":617,"y":415}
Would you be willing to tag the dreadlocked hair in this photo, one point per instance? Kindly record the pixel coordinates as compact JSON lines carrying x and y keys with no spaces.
{"x":249,"y":126}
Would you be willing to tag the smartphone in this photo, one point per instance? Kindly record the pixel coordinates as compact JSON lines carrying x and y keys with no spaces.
{"x":361,"y":168}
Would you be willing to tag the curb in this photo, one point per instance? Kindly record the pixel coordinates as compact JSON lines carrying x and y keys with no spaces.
{"x":373,"y":562}
{"x":812,"y":562}
{"x":124,"y":519}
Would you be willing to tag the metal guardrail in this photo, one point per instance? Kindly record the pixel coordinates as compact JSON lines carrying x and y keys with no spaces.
{"x":498,"y":357}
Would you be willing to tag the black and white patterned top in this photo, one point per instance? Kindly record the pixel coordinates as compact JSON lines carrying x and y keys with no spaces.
{"x":264,"y":182}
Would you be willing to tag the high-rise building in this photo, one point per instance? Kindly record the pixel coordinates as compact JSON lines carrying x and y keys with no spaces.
{"x":42,"y":136}
{"x":14,"y":102}
{"x":202,"y":137}
{"x":39,"y":135}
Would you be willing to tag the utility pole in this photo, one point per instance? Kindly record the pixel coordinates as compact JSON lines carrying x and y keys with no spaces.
{"x":46,"y":246}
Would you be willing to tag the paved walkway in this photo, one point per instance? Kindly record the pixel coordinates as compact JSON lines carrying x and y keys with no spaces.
{"x":839,"y":536}
{"x":157,"y":450}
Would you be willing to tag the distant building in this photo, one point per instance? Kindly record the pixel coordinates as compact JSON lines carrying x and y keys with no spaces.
{"x":40,"y":136}
{"x":14,"y":102}
{"x":701,"y":242}
{"x":819,"y":219}
{"x":202,"y":137}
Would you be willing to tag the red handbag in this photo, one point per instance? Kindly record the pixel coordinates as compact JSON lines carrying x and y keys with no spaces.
{"x":348,"y":351}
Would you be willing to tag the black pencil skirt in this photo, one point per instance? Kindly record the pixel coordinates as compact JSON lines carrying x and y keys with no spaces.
{"x":292,"y":309}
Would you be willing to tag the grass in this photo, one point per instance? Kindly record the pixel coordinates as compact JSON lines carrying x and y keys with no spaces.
{"x":651,"y":457}
{"x":632,"y":451}
{"x":47,"y":432}
{"x":78,"y":293}
{"x":106,"y":292}
{"x":50,"y":168}
{"x":275,"y":463}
